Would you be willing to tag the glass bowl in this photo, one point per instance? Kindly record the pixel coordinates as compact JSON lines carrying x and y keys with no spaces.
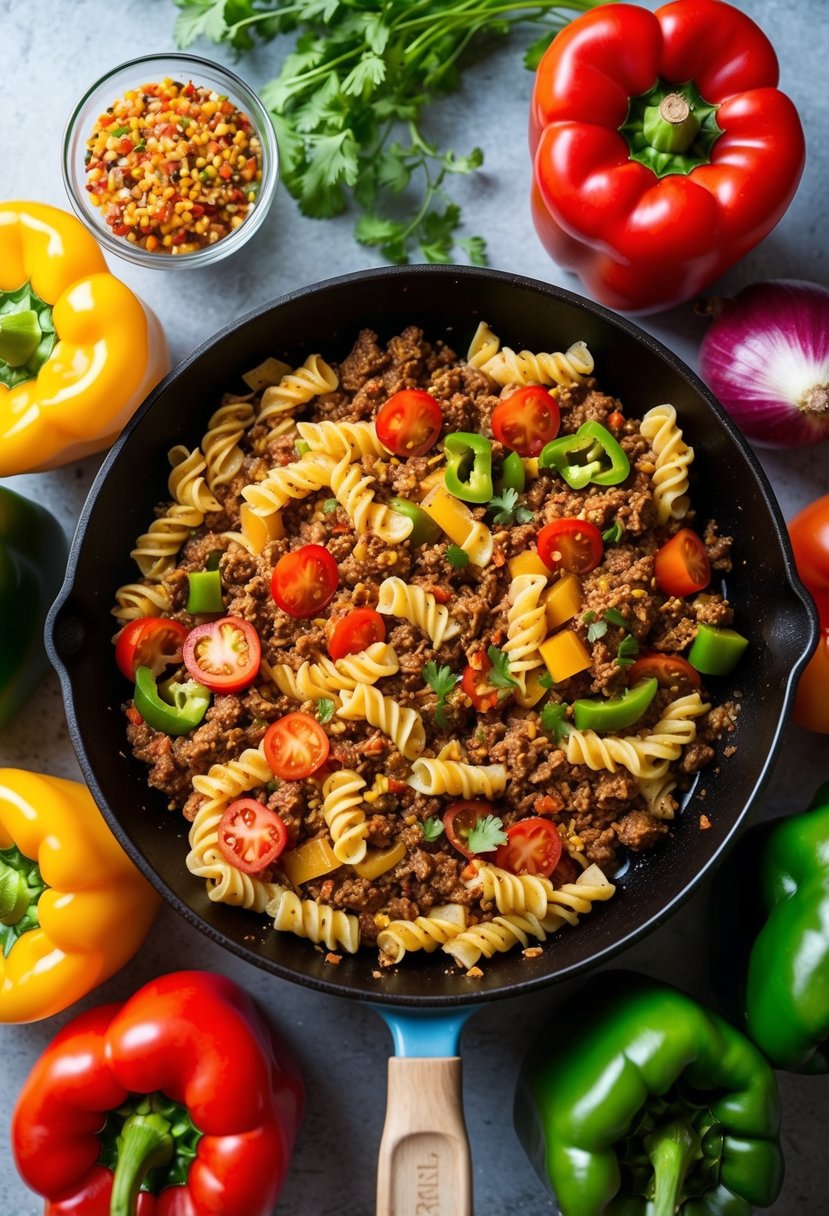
{"x":153,"y":69}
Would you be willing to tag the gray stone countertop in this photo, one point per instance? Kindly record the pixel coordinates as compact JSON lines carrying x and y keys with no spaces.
{"x":51,"y":54}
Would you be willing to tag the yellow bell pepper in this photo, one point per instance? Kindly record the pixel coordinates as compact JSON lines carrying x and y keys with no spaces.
{"x":78,"y":351}
{"x":73,"y":908}
{"x":527,"y":563}
{"x":565,"y":654}
{"x":563,"y":600}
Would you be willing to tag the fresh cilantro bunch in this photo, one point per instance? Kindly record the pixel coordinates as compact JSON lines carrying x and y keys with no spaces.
{"x":348,"y":102}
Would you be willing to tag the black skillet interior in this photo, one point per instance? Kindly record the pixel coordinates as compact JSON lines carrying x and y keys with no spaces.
{"x":448,"y":302}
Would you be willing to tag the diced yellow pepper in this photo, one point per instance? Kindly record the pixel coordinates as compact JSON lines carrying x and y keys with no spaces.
{"x":310,"y":860}
{"x":530,"y":464}
{"x":527,"y":563}
{"x":459,"y":524}
{"x":259,"y":529}
{"x":533,"y":690}
{"x":563,"y":600}
{"x":565,"y":654}
{"x":380,"y":860}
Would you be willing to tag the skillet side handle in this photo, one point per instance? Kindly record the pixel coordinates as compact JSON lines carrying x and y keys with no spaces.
{"x":424,"y":1163}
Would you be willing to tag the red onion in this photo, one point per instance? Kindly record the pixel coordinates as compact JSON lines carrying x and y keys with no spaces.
{"x":766,"y":358}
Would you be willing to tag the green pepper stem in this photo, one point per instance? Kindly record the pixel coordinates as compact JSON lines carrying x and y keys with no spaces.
{"x":672,"y":1149}
{"x":15,"y":896}
{"x":20,"y":334}
{"x":671,"y":126}
{"x":145,"y":1142}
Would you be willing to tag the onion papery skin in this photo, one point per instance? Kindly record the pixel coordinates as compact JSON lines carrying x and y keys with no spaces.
{"x":765,"y":354}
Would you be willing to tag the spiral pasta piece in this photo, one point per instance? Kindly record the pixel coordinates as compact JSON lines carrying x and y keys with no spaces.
{"x":415,"y":604}
{"x":134,"y":600}
{"x":220,"y":445}
{"x":648,"y":756}
{"x":352,"y":488}
{"x":329,"y":927}
{"x":424,"y":933}
{"x":657,"y":795}
{"x":281,"y":401}
{"x":404,"y":726}
{"x":524,"y":893}
{"x":290,"y":481}
{"x":673,"y":456}
{"x":156,"y":549}
{"x":525,"y":367}
{"x":342,"y":811}
{"x":483,"y":347}
{"x":526,"y":625}
{"x":339,"y":439}
{"x":328,"y":677}
{"x":457,"y":779}
{"x":186,"y":482}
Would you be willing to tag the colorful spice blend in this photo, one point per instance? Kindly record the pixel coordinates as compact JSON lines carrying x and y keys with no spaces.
{"x":174,"y":167}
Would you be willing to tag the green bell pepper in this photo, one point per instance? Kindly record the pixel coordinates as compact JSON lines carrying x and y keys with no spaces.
{"x":33,"y":553}
{"x":772,"y":969}
{"x":513,"y":474}
{"x":424,"y":529}
{"x":182,"y":713}
{"x":468,"y":474}
{"x":614,"y":713}
{"x":715,"y":651}
{"x":591,"y":455}
{"x":204,"y":592}
{"x":638,"y":1101}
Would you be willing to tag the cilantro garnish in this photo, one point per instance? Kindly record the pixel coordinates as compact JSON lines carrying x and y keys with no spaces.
{"x":441,"y":680}
{"x":628,"y":650}
{"x":499,"y":676}
{"x":456,"y":557}
{"x":486,"y":835}
{"x":596,"y":630}
{"x":507,"y":510}
{"x":325,"y":709}
{"x":614,"y":533}
{"x":432,"y":829}
{"x":614,"y":617}
{"x":553,"y":722}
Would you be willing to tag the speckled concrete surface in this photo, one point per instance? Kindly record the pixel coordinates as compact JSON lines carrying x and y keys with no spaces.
{"x":49,"y":61}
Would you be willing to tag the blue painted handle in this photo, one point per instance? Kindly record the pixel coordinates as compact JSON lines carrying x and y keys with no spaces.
{"x":427,"y":1034}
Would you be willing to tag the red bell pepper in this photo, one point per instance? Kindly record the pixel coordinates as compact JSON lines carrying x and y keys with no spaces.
{"x":183,"y":1091}
{"x":663,"y":150}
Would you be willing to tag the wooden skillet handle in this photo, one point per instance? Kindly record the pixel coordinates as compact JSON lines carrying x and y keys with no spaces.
{"x":424,"y":1166}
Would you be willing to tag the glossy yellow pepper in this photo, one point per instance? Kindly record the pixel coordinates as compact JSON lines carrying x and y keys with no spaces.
{"x":73,"y":908}
{"x":78,"y":351}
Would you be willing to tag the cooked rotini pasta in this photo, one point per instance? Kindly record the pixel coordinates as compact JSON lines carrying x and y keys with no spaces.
{"x":330,"y":927}
{"x":353,"y":489}
{"x":156,"y":549}
{"x":511,"y":892}
{"x":648,"y":756}
{"x":458,"y":779}
{"x":404,"y":726}
{"x":523,"y":367}
{"x":339,"y":439}
{"x":187,"y":483}
{"x":220,"y":445}
{"x":673,"y":456}
{"x":281,"y":401}
{"x":342,"y":810}
{"x":415,"y":604}
{"x":327,"y":678}
{"x":302,"y":477}
{"x":134,"y":600}
{"x":526,"y":625}
{"x":424,"y":933}
{"x":483,"y":347}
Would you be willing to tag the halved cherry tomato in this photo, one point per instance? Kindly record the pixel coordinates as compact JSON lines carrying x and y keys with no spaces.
{"x":304,"y":580}
{"x":474,"y":682}
{"x":151,"y":641}
{"x":669,"y":669}
{"x":458,"y":821}
{"x":295,"y":746}
{"x":526,"y":420}
{"x":409,"y":423}
{"x":681,"y":567}
{"x":223,"y":655}
{"x":574,"y":545}
{"x":533,"y":847}
{"x":355,"y":631}
{"x":811,"y":706}
{"x":251,"y":835}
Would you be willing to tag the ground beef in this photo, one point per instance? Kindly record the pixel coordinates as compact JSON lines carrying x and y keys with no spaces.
{"x":600,"y":814}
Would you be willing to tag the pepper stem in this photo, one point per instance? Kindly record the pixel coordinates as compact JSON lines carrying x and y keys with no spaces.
{"x":20,"y":334}
{"x":145,"y":1142}
{"x":15,"y":896}
{"x":672,"y":1149}
{"x":815,"y":400}
{"x":671,"y":126}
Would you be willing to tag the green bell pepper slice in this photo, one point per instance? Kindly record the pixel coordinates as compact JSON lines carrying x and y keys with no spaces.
{"x":614,"y":713}
{"x":33,"y":551}
{"x":468,"y":474}
{"x":513,"y":474}
{"x":424,"y":529}
{"x":177,"y":716}
{"x":638,"y":1101}
{"x":715,"y":651}
{"x":591,"y":455}
{"x":204,"y":592}
{"x":772,"y":969}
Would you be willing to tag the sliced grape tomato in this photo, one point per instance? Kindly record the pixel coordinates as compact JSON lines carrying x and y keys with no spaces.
{"x":670,"y":670}
{"x":150,"y":641}
{"x":356,"y":631}
{"x":251,"y":835}
{"x":223,"y":655}
{"x":681,"y":566}
{"x":458,"y":821}
{"x":526,"y":420}
{"x":409,"y":423}
{"x":574,"y":545}
{"x":304,"y":581}
{"x":533,"y":847}
{"x":295,"y":746}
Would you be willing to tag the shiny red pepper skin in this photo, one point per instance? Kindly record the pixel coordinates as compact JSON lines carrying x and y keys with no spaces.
{"x":198,"y":1038}
{"x":641,"y":242}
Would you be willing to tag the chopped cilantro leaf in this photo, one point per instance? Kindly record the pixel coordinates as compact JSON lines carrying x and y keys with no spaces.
{"x":596,"y":630}
{"x":456,"y":557}
{"x":499,"y":676}
{"x":628,"y":650}
{"x":553,"y":722}
{"x":486,"y":835}
{"x":507,"y":510}
{"x":441,"y":680}
{"x":432,"y":829}
{"x":614,"y":617}
{"x":614,"y":533}
{"x":325,"y":709}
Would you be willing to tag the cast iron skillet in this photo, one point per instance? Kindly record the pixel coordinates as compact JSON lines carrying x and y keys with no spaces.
{"x":728,"y":485}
